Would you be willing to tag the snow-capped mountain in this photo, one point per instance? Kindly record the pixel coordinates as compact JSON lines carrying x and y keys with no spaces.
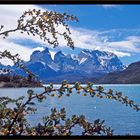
{"x":85,"y":65}
{"x":98,"y":61}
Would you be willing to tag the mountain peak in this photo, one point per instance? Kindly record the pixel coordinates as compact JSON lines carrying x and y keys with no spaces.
{"x":60,"y":53}
{"x":46,"y":50}
{"x":38,"y":56}
{"x":36,"y":52}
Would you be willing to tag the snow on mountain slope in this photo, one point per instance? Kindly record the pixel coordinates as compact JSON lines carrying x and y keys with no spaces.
{"x":87,"y":63}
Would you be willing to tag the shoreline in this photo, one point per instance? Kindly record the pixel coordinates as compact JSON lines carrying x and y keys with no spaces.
{"x":20,"y":85}
{"x":39,"y":85}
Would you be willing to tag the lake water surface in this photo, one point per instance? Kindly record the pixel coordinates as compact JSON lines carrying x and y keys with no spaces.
{"x":119,"y":117}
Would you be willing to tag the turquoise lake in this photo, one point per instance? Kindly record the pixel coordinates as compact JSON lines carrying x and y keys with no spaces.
{"x":122,"y":119}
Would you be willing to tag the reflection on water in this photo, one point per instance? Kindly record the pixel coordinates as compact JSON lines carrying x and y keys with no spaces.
{"x":122,"y":119}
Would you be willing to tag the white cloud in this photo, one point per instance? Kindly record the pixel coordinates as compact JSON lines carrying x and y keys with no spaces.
{"x":95,"y":40}
{"x":23,"y":51}
{"x":131,"y":44}
{"x":83,"y":38}
{"x":9,"y":14}
{"x":39,"y":49}
{"x":108,"y":6}
{"x":120,"y":54}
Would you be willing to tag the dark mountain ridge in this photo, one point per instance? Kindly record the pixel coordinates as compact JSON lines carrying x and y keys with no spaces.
{"x":131,"y":75}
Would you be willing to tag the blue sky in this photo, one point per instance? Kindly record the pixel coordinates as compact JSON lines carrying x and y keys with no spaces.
{"x":122,"y":18}
{"x":113,"y":28}
{"x":102,"y":17}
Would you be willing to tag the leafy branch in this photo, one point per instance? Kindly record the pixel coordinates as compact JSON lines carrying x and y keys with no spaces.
{"x":17,"y":62}
{"x":66,"y":89}
{"x":42,"y":24}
